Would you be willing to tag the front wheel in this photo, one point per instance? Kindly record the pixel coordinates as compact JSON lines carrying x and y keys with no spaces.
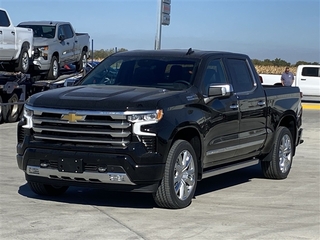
{"x":22,"y":64}
{"x":179,"y":182}
{"x":82,"y":62}
{"x":281,"y":155}
{"x":47,"y":190}
{"x":54,"y":69}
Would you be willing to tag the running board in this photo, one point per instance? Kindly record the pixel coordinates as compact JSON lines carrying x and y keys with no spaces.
{"x":229,"y":168}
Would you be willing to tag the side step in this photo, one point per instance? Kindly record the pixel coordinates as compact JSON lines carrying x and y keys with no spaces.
{"x":229,"y":168}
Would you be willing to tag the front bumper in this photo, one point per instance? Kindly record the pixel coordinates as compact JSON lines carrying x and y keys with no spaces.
{"x":41,"y":64}
{"x":70,"y":168}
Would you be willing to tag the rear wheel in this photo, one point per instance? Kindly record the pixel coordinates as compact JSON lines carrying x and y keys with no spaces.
{"x":11,"y":113}
{"x":54,"y":69}
{"x":47,"y":190}
{"x":22,"y":64}
{"x":179,"y":182}
{"x":281,"y":156}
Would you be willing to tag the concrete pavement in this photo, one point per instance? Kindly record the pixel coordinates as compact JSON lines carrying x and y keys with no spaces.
{"x":238,"y":205}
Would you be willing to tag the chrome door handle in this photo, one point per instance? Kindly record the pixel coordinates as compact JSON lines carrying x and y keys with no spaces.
{"x":234,"y":106}
{"x":261,"y":103}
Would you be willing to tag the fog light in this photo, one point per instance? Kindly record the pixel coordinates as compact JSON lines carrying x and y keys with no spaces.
{"x":44,"y":165}
{"x":102,"y":169}
{"x":116,"y":177}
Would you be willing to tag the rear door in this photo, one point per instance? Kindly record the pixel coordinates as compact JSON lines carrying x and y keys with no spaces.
{"x":251,"y":104}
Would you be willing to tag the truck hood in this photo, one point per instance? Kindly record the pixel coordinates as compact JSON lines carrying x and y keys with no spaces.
{"x":101,"y":98}
{"x":39,"y":41}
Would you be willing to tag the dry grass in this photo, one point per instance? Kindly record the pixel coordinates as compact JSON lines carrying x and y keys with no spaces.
{"x":273,"y":69}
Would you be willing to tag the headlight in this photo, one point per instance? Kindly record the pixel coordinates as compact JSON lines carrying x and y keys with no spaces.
{"x":144,"y":118}
{"x":43,"y":48}
{"x":27,"y":114}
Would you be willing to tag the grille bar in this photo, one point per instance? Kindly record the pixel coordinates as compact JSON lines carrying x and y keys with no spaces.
{"x":122,"y":125}
{"x":96,"y":131}
{"x":82,"y":140}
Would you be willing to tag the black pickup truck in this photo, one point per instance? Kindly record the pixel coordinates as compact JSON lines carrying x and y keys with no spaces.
{"x":158,"y":121}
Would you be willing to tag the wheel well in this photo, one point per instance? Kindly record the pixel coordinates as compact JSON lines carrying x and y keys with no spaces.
{"x":192,"y":136}
{"x":290,"y":123}
{"x":57,"y":55}
{"x":25,"y":44}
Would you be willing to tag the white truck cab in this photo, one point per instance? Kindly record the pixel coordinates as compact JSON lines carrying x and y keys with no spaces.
{"x":16,"y":45}
{"x":308,"y":80}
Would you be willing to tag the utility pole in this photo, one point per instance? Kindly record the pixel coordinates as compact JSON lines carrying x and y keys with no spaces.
{"x":163,"y":19}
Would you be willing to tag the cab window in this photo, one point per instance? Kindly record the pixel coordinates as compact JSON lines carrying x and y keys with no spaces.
{"x":241,"y":76}
{"x":213,"y":75}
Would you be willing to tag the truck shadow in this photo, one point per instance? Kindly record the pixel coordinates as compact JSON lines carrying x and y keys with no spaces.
{"x":101,"y":197}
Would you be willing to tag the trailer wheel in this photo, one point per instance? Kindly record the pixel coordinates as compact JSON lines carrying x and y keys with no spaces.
{"x":11,"y":113}
{"x":281,"y":156}
{"x":179,"y":181}
{"x":82,"y":62}
{"x":1,"y":109}
{"x":54,"y":69}
{"x":22,"y":64}
{"x":47,"y":190}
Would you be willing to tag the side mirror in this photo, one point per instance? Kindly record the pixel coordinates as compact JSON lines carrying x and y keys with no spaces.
{"x":62,"y":37}
{"x":221,"y":90}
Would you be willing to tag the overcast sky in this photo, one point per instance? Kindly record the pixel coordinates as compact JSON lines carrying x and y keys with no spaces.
{"x":263,"y":29}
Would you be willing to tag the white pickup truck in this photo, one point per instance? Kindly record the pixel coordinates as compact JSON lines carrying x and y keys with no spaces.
{"x":307,"y":78}
{"x":16,"y":45}
{"x":55,"y":45}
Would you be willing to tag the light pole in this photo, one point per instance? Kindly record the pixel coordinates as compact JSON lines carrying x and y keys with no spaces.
{"x":163,"y":19}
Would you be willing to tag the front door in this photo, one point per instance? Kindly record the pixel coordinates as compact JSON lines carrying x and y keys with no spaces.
{"x":222,"y":120}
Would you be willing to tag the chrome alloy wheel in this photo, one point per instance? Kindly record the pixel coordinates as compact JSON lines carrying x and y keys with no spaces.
{"x":25,"y":62}
{"x":285,"y":154}
{"x":55,"y":69}
{"x":184,"y":175}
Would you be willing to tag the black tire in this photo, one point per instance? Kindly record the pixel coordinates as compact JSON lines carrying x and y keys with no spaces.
{"x":22,"y":63}
{"x":82,"y":62}
{"x":177,"y":188}
{"x":47,"y":190}
{"x":11,"y":113}
{"x":1,"y":118}
{"x":54,"y":70}
{"x":281,"y":155}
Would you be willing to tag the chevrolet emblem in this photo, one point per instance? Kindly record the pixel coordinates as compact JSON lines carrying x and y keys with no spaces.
{"x":72,"y":117}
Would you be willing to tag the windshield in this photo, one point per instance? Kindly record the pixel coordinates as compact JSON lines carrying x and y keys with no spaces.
{"x":165,"y":72}
{"x":43,"y":31}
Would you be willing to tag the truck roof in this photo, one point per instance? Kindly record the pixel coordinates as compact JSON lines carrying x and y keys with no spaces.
{"x":49,"y":23}
{"x":189,"y":53}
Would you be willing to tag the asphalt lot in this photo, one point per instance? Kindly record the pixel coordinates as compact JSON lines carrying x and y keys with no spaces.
{"x":237,"y":205}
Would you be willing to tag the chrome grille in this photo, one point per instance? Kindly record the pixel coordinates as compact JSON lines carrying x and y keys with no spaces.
{"x":85,"y":127}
